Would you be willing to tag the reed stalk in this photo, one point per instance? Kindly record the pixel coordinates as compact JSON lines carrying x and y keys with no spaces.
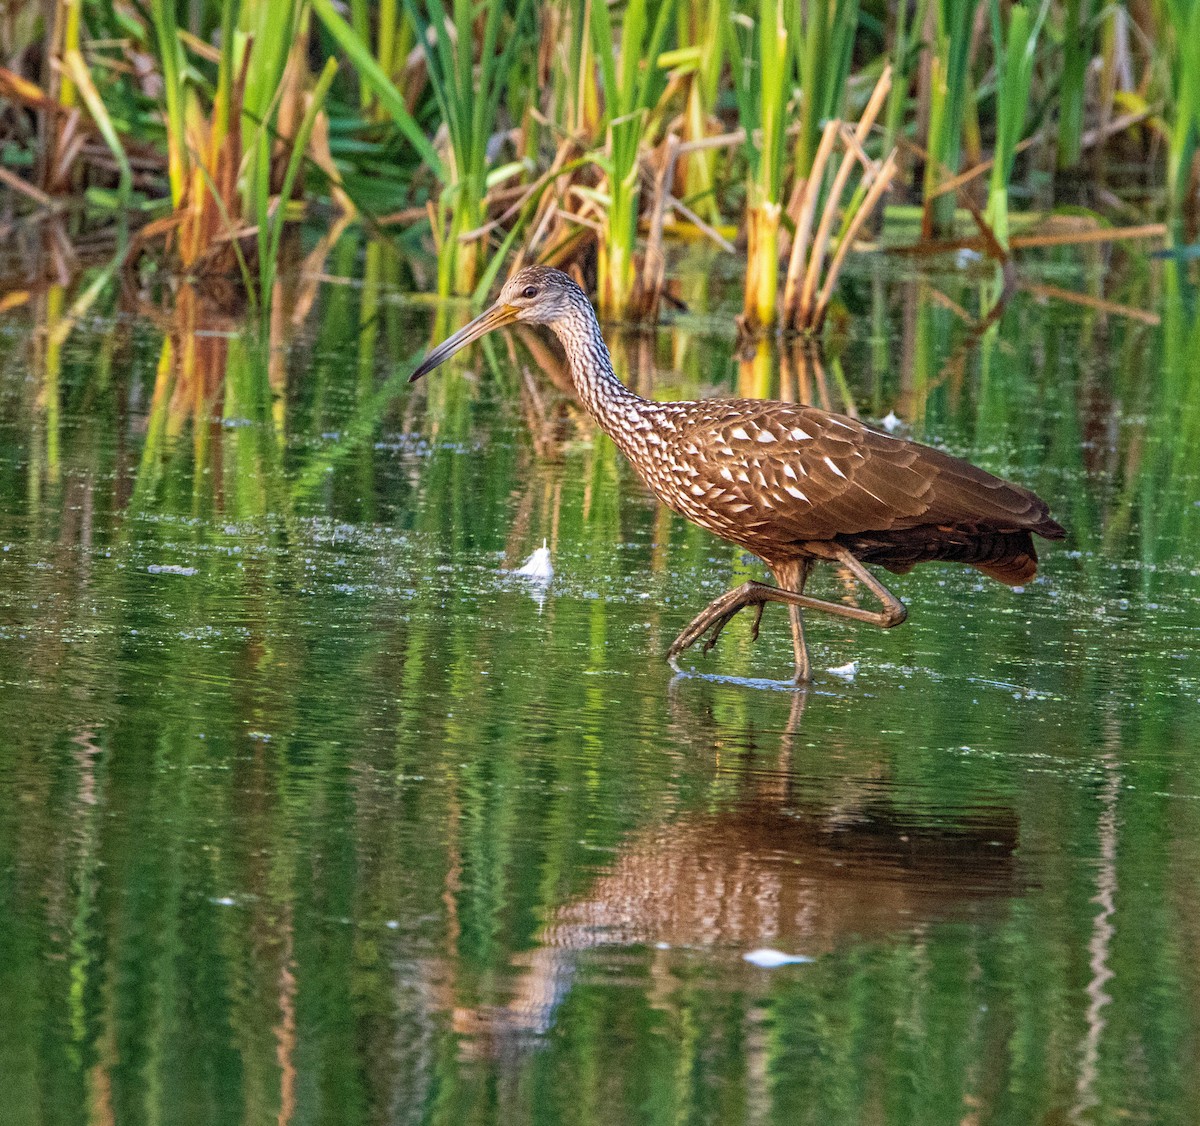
{"x":761,"y":76}
{"x":80,"y":76}
{"x":947,"y":107}
{"x":631,"y":82}
{"x":390,"y":100}
{"x":824,"y":32}
{"x":1014,"y":75}
{"x":903,"y":56}
{"x":700,"y":57}
{"x":172,"y":65}
{"x":1183,"y":35}
{"x":567,"y":65}
{"x":468,"y":99}
{"x":242,"y":102}
{"x":804,"y":311}
{"x":277,"y":220}
{"x":1078,"y":38}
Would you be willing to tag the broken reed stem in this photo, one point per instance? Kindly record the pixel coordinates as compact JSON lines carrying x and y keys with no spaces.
{"x":1112,"y":234}
{"x":18,"y":185}
{"x":953,"y":183}
{"x":882,"y":181}
{"x":654,"y":262}
{"x":804,"y":223}
{"x":829,"y":212}
{"x":690,"y":216}
{"x":1100,"y":304}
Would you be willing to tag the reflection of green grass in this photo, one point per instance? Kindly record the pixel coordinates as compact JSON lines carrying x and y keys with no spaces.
{"x":395,"y":734}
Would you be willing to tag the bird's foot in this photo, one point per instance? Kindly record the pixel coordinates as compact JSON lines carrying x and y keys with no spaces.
{"x":724,"y":620}
{"x":710,"y":622}
{"x":714,"y":631}
{"x":758,"y":613}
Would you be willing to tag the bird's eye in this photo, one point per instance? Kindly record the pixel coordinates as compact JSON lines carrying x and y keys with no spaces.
{"x":530,"y":292}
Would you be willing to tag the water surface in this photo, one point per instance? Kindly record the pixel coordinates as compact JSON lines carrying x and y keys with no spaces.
{"x":312,"y":811}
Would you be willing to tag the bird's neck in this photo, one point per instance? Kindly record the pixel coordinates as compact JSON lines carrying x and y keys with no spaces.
{"x":606,"y":398}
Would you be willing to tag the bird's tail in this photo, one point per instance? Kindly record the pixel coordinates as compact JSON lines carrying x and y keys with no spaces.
{"x":1008,"y":557}
{"x":1016,"y":571}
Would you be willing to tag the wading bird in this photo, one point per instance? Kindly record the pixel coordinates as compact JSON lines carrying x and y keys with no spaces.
{"x":790,"y":483}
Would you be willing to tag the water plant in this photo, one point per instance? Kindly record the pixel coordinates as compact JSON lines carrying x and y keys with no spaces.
{"x":1182,"y":35}
{"x":578,"y":133}
{"x":1014,"y":74}
{"x":631,"y":81}
{"x":762,"y":67}
{"x":1077,"y":38}
{"x":808,"y":287}
{"x":700,"y":58}
{"x":948,"y":93}
{"x":824,"y":34}
{"x":468,"y":98}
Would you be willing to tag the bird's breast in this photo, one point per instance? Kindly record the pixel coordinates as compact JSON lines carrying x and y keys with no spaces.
{"x":734,"y":497}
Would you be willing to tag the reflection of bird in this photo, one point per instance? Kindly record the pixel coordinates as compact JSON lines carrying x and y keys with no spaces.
{"x":790,"y":483}
{"x":719,"y":883}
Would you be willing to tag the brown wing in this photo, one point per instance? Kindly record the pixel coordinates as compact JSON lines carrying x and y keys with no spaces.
{"x":800,"y":474}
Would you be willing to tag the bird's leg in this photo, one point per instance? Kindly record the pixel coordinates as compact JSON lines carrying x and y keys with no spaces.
{"x":799,"y":648}
{"x":894,"y":611}
{"x":719,"y":613}
{"x":791,"y":577}
{"x":754,"y":627}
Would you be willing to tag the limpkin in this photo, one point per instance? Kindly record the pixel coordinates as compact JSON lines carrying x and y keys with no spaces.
{"x":790,"y":483}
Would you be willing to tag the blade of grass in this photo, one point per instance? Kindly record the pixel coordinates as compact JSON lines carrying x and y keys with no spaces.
{"x":170,"y":58}
{"x":316,"y":101}
{"x":369,"y":70}
{"x":75,"y":66}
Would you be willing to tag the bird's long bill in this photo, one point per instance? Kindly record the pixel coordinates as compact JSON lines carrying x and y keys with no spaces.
{"x":497,"y":316}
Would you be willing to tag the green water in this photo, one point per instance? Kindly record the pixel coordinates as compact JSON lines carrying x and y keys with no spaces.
{"x":310,"y":811}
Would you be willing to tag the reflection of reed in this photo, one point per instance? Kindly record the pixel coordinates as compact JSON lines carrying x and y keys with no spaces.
{"x":285,"y":1029}
{"x":1100,"y":943}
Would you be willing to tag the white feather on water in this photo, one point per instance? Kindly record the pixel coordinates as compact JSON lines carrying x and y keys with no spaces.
{"x":846,"y":671}
{"x":769,"y":959}
{"x":537,"y":568}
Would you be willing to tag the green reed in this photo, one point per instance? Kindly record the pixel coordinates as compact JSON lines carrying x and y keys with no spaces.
{"x":372,"y":76}
{"x":171,"y":63}
{"x":824,"y":32}
{"x":762,"y":66}
{"x":1077,"y":47}
{"x":631,"y":81}
{"x":455,"y":122}
{"x":468,"y":100}
{"x":1014,"y":76}
{"x":948,"y":92}
{"x":904,"y":51}
{"x":703,"y":43}
{"x":1181,"y":32}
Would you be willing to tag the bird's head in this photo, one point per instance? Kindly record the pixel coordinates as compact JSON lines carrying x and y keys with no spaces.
{"x":535,"y":295}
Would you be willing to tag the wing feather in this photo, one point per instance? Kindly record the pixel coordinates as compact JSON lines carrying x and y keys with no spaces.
{"x":812,"y":476}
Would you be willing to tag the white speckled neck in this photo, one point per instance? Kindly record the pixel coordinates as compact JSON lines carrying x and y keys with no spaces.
{"x":607,"y":399}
